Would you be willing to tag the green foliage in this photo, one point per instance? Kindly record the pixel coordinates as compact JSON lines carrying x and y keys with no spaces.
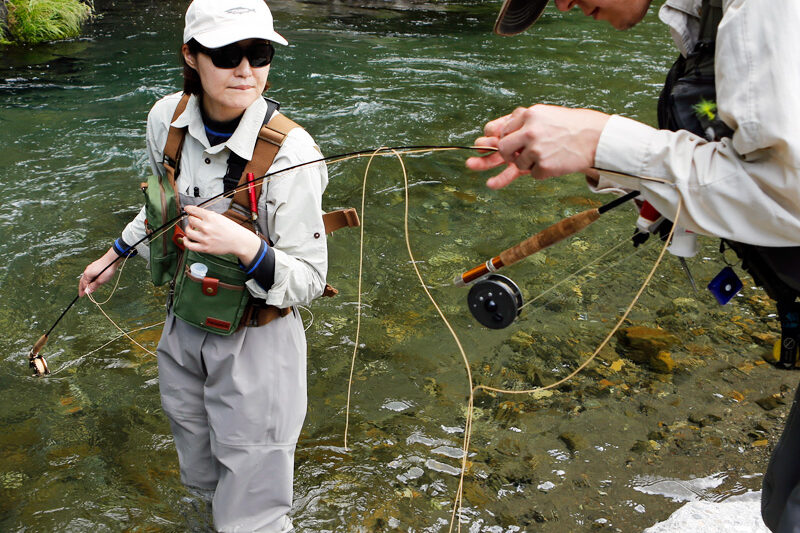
{"x":34,"y":21}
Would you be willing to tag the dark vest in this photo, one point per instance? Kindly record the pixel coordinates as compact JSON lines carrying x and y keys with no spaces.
{"x":688,"y":102}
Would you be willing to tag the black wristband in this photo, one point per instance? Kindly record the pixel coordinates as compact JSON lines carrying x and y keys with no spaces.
{"x":262,"y":268}
{"x":122,"y":249}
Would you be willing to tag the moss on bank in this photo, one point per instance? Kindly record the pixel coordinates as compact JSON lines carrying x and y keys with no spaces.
{"x":35,"y":21}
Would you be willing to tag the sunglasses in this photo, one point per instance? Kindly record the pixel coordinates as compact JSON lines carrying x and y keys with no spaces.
{"x":258,"y":54}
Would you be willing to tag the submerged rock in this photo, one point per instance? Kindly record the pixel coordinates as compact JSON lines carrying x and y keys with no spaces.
{"x":573,"y":441}
{"x":643,"y":343}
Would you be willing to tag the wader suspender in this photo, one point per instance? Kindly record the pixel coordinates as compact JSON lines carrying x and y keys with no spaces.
{"x":270,"y":139}
{"x":689,"y":81}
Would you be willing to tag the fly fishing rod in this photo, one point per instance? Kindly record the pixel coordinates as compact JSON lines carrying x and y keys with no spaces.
{"x":495,"y":301}
{"x":38,"y":363}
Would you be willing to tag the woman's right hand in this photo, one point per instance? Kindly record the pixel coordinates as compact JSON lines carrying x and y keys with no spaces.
{"x":86,"y":285}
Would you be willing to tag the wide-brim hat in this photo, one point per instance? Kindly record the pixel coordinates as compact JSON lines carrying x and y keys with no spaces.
{"x":517,"y":16}
{"x":216,"y":23}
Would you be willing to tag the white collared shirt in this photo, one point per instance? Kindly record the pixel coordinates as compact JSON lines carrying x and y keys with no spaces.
{"x":292,"y":201}
{"x":746,"y":188}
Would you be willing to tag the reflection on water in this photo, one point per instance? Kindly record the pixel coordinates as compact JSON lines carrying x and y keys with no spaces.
{"x":89,"y":449}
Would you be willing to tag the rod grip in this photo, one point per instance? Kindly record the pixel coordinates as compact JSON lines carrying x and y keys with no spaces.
{"x":38,"y":346}
{"x":549,"y":236}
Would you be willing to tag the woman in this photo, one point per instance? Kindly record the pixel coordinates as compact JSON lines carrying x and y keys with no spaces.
{"x":235,"y":399}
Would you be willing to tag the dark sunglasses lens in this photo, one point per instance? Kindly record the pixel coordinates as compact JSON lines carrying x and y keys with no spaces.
{"x":260,"y":54}
{"x":226,"y":57}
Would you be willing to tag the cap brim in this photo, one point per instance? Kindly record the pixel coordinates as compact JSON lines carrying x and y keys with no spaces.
{"x":223,"y":36}
{"x":517,"y":16}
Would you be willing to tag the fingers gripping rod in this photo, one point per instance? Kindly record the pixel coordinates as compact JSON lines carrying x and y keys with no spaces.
{"x":545,"y":238}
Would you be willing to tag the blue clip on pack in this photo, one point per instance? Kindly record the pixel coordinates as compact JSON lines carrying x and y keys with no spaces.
{"x":725,"y":285}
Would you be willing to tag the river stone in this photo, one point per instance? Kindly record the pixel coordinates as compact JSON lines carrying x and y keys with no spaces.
{"x":663,"y":362}
{"x":573,"y":441}
{"x":520,"y":340}
{"x":681,"y":307}
{"x":645,"y":343}
{"x":768,"y":403}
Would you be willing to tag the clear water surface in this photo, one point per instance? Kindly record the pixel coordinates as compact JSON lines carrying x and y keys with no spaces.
{"x":88,"y":449}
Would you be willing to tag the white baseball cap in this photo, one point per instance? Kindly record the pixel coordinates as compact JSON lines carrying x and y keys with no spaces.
{"x":215,"y":23}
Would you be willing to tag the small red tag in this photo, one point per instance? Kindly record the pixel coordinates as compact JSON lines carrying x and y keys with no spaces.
{"x":217,"y":323}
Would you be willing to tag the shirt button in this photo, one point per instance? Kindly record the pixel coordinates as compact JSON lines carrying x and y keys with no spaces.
{"x":208,"y":161}
{"x":316,"y":235}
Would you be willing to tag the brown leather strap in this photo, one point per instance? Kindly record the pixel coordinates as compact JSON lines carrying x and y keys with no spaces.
{"x":342,"y":218}
{"x":174,"y":144}
{"x":260,"y":316}
{"x":273,"y":133}
{"x":174,"y":147}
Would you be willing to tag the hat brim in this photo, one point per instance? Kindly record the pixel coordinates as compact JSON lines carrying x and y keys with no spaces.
{"x":222,"y":36}
{"x":517,"y":16}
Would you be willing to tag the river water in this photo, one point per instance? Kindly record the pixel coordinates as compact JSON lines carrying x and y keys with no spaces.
{"x":88,"y":448}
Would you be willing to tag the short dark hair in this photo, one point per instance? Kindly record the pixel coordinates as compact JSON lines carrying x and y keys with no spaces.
{"x":191,"y":78}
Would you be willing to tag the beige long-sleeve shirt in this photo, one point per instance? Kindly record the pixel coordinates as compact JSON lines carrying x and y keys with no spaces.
{"x":292,"y":200}
{"x":746,"y":188}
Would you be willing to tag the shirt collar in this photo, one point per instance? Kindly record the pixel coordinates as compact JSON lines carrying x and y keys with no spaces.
{"x":243,"y":140}
{"x":683,"y":19}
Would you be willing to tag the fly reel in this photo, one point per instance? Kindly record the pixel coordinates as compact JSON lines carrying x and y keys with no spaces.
{"x":495,"y":301}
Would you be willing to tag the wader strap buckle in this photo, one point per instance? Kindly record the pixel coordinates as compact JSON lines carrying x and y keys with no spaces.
{"x":789,"y":313}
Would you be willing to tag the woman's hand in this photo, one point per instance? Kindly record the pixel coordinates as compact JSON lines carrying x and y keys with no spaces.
{"x":212,"y":233}
{"x":543,"y":140}
{"x":87,"y":283}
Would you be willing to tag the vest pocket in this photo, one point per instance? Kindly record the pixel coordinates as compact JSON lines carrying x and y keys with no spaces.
{"x":215,"y":302}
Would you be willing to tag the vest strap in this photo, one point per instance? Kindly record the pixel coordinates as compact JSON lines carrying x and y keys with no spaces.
{"x":342,"y":218}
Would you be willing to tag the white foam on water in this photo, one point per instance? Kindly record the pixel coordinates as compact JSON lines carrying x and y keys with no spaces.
{"x":737,"y":514}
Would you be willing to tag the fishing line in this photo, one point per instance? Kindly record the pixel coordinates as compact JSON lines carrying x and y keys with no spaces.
{"x":580,"y":368}
{"x":115,"y":339}
{"x":611,"y":250}
{"x":37,"y":362}
{"x":458,"y":500}
{"x":358,"y":303}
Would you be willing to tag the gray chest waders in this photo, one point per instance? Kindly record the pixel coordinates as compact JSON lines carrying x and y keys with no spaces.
{"x":688,"y":102}
{"x":219,"y":301}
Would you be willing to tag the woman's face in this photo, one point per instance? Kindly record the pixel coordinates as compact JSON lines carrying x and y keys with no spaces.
{"x":227,"y":92}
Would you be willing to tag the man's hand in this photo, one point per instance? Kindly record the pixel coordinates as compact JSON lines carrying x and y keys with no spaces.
{"x":212,"y":233}
{"x":543,"y":140}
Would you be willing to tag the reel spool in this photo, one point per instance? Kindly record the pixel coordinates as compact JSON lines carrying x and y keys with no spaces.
{"x":39,"y":366}
{"x":495,"y":301}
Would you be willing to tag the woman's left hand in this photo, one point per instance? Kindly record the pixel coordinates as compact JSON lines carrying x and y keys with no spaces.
{"x":212,"y":233}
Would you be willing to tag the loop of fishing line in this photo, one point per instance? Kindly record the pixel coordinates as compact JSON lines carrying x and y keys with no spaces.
{"x":473,"y":388}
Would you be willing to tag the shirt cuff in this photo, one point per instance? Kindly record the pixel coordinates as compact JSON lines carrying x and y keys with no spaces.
{"x":123,"y":249}
{"x":262,"y":267}
{"x":625,"y":146}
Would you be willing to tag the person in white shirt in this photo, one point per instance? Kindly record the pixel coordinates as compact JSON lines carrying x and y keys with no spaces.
{"x":737,"y":178}
{"x":235,"y":401}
